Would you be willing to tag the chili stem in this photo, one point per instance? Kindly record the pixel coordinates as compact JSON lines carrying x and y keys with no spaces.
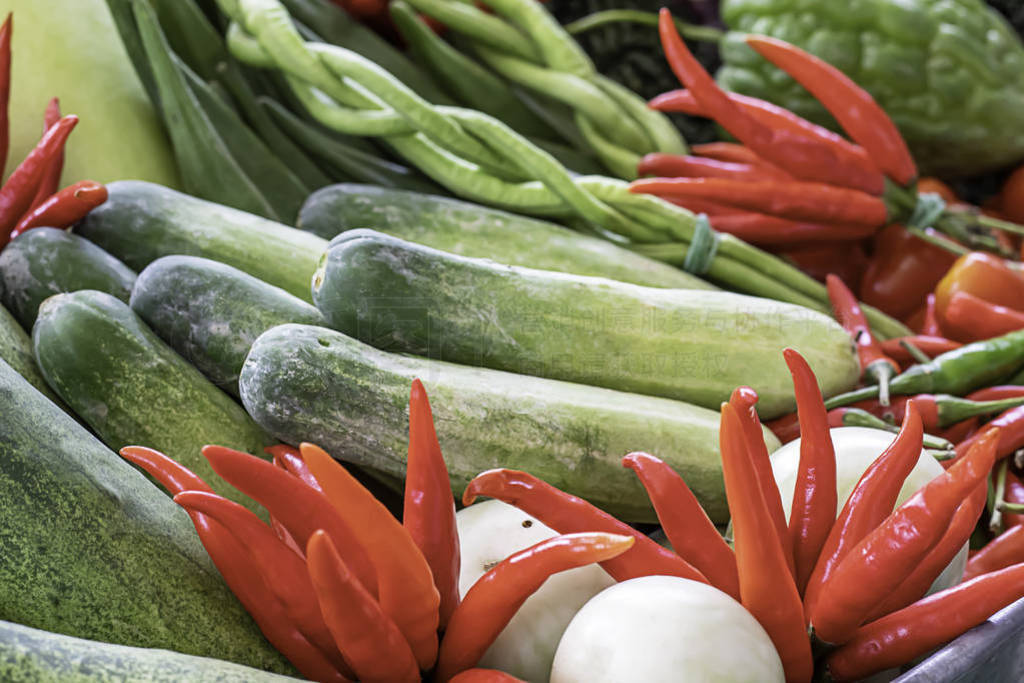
{"x":707,"y":34}
{"x":995,"y":522}
{"x":942,"y":242}
{"x":916,"y":353}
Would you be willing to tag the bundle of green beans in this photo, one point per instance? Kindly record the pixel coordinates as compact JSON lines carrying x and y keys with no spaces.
{"x":478,"y":157}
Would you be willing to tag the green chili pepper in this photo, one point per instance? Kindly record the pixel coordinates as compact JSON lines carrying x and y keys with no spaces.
{"x":954,"y":372}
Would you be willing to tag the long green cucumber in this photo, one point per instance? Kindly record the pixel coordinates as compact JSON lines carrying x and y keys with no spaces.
{"x":46,"y":261}
{"x":133,"y":389}
{"x":482,"y":232}
{"x":92,"y":549}
{"x":28,"y":654}
{"x":305,"y":383}
{"x":140,"y":222}
{"x":687,"y":345}
{"x":16,"y":350}
{"x":211,"y":313}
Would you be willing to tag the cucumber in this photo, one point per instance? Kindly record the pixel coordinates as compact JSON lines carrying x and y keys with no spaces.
{"x":46,"y":261}
{"x":28,"y":654}
{"x":306,"y":383}
{"x":211,"y":313}
{"x":688,"y":345}
{"x":16,"y":350}
{"x":482,"y":232}
{"x":140,"y":222}
{"x":92,"y":549}
{"x":133,"y":389}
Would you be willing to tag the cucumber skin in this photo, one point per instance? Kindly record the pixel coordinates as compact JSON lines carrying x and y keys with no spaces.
{"x":133,"y":389}
{"x":140,"y":222}
{"x":211,"y":313}
{"x":46,"y":261}
{"x":28,"y":654}
{"x":16,"y":350}
{"x":94,"y":550}
{"x":685,"y":345}
{"x":478,"y":231}
{"x":305,"y":383}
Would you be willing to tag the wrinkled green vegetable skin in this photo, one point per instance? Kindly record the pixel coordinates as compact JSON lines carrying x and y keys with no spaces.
{"x":92,"y":549}
{"x":949,"y":72}
{"x":305,"y":383}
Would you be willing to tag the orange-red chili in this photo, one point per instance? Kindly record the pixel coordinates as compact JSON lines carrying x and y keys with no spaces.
{"x":5,"y":89}
{"x":51,"y":179}
{"x":970,"y":318}
{"x":65,"y":208}
{"x":875,"y":366}
{"x":930,"y":346}
{"x":1004,"y":550}
{"x":497,"y":595}
{"x":686,"y":166}
{"x":903,"y":270}
{"x":765,"y":229}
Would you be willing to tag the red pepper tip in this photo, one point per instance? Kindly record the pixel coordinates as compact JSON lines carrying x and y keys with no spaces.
{"x":637,"y":459}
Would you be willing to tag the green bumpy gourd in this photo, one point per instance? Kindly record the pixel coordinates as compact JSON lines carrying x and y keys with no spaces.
{"x":950,"y":73}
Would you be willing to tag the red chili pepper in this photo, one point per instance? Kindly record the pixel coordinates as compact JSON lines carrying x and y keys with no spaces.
{"x":901,"y":636}
{"x":997,"y":392}
{"x":886,"y":556}
{"x":914,"y":587}
{"x":235,"y":564}
{"x":959,"y":431}
{"x":300,"y":508}
{"x":692,"y":534}
{"x":289,"y":458}
{"x":728,"y":151}
{"x":764,"y":229}
{"x":902,"y":271}
{"x":568,"y":514}
{"x":1014,"y":493}
{"x":51,"y":180}
{"x":5,"y":89}
{"x":370,"y":642}
{"x":785,"y":123}
{"x":797,"y":153}
{"x":874,"y":364}
{"x":799,"y":200}
{"x":404,"y":581}
{"x":497,"y":595}
{"x":744,"y":402}
{"x":813,"y":511}
{"x":1003,"y":551}
{"x":870,"y":502}
{"x":766,"y":584}
{"x":1011,"y":434}
{"x":984,"y":275}
{"x":485,"y":676}
{"x":930,"y":346}
{"x":712,"y":209}
{"x":429,"y":508}
{"x":65,"y":208}
{"x":680,"y":165}
{"x":17,"y":193}
{"x":971,"y":318}
{"x":931,"y":327}
{"x":852,"y":106}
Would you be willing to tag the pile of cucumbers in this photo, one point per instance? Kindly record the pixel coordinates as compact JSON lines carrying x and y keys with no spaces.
{"x":171,"y":322}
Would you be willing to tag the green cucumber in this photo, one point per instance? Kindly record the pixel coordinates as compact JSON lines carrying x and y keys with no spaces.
{"x":481,"y":232}
{"x":688,"y":345}
{"x":92,"y":549}
{"x":133,"y":389}
{"x":46,"y":261}
{"x":16,"y":350}
{"x":305,"y":383}
{"x":211,"y":313}
{"x":140,"y":222}
{"x":28,"y":654}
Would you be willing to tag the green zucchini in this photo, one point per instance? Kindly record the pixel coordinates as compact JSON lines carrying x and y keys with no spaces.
{"x":46,"y":261}
{"x":140,"y":222}
{"x":211,"y":313}
{"x":92,"y":549}
{"x":133,"y":389}
{"x":687,"y":345}
{"x":16,"y":350}
{"x":28,"y":654}
{"x":305,"y":383}
{"x":481,"y":232}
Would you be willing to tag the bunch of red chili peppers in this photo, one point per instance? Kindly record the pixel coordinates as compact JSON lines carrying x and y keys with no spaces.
{"x":342,"y":588}
{"x":30,"y":198}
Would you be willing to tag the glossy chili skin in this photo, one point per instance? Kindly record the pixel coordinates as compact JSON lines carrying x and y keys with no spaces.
{"x":767,"y":589}
{"x":1011,"y":433}
{"x":968,"y":317}
{"x":874,"y":364}
{"x":65,"y":208}
{"x":495,"y":598}
{"x":692,"y":534}
{"x":984,"y":275}
{"x":569,"y":514}
{"x":51,"y":179}
{"x":902,"y":271}
{"x":5,"y":89}
{"x":686,"y":166}
{"x":929,"y":345}
{"x":1004,"y":550}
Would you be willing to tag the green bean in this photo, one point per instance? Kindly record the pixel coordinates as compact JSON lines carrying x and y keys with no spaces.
{"x":620,"y":161}
{"x":559,"y":51}
{"x":360,"y":122}
{"x":578,"y":92}
{"x":483,"y":27}
{"x":578,"y":163}
{"x":473,"y":84}
{"x":663,"y":134}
